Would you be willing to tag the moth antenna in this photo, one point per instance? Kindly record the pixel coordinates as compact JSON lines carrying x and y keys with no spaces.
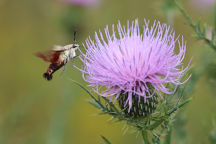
{"x":75,"y":35}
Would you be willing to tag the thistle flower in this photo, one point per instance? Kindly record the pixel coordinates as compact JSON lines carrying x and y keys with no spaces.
{"x":134,"y":67}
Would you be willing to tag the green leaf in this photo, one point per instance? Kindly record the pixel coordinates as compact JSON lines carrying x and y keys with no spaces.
{"x":168,"y":137}
{"x":198,"y":26}
{"x":92,"y":96}
{"x":145,"y":137}
{"x":204,"y":30}
{"x":156,"y":124}
{"x":179,"y":106}
{"x":215,"y":17}
{"x":185,"y":102}
{"x":185,"y":15}
{"x":213,"y":35}
{"x":181,"y":94}
{"x":112,"y":106}
{"x":106,"y":140}
{"x":85,"y":89}
{"x":199,"y":35}
{"x":95,"y":104}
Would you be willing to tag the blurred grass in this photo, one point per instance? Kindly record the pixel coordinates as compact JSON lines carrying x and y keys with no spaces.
{"x":34,"y":111}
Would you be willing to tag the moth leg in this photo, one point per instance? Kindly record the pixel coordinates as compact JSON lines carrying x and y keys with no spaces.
{"x":76,"y":56}
{"x":64,"y":64}
{"x":62,"y":70}
{"x":72,"y":62}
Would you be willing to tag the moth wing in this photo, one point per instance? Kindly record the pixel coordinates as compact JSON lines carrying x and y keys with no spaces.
{"x":58,"y":48}
{"x":55,"y":56}
{"x":50,"y":56}
{"x":46,"y":56}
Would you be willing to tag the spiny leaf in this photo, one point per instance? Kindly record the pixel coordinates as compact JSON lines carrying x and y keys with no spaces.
{"x":204,"y":30}
{"x":112,"y":106}
{"x":168,"y":137}
{"x":162,"y":119}
{"x":181,"y":95}
{"x":196,"y":27}
{"x":179,"y":106}
{"x":185,"y":15}
{"x":156,"y":124}
{"x":106,"y":140}
{"x":85,"y":89}
{"x":145,"y":137}
{"x":95,"y":104}
{"x":185,"y":102}
{"x":92,"y":96}
{"x":213,"y":35}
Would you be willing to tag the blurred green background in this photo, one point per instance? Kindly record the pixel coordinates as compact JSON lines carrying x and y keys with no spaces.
{"x":35,"y":111}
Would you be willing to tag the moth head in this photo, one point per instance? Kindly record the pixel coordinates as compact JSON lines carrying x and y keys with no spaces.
{"x":71,"y":46}
{"x":75,"y":46}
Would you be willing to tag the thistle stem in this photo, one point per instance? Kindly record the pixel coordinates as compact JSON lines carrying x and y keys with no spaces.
{"x":168,"y":137}
{"x":145,"y":137}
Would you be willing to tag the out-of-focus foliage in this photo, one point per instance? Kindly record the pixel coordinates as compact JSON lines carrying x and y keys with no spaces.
{"x":212,"y":135}
{"x":34,"y":111}
{"x":200,"y":33}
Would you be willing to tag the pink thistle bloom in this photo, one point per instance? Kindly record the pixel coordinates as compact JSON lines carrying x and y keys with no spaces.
{"x":203,"y":4}
{"x":83,"y":2}
{"x":134,"y":62}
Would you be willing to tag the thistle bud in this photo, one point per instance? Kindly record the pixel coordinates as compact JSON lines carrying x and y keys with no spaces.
{"x":141,"y":107}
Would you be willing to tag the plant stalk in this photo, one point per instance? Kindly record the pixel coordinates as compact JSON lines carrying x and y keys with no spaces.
{"x":145,"y":137}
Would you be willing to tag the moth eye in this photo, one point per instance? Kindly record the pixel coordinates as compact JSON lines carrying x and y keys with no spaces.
{"x":74,"y":46}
